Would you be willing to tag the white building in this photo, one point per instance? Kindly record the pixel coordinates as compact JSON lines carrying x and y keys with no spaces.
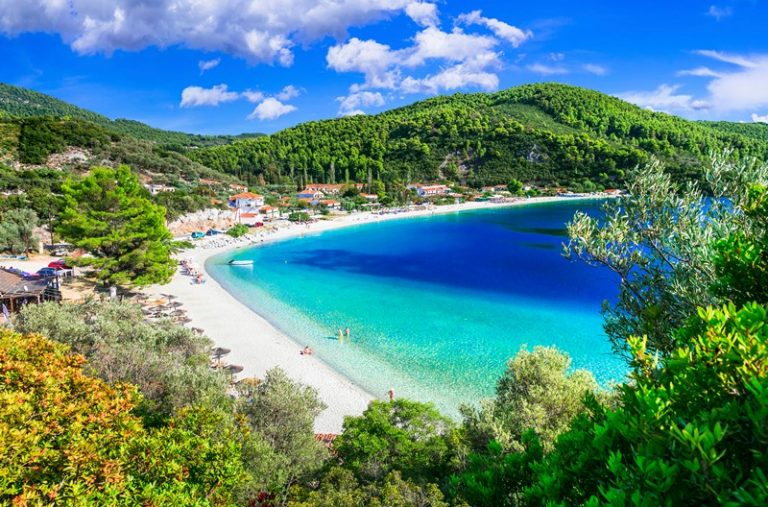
{"x":247,"y":202}
{"x":430,"y":190}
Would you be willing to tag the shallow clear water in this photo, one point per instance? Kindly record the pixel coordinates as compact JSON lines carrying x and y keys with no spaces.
{"x":436,"y":305}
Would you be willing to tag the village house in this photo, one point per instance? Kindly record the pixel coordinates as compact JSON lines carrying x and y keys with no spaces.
{"x":238,"y":188}
{"x":429,"y":190}
{"x":331,"y":188}
{"x":331,"y":204}
{"x":370,"y":197}
{"x":312,"y":195}
{"x":269,"y":211}
{"x":495,"y":189}
{"x":155,"y":189}
{"x":247,"y":202}
{"x":248,"y":218}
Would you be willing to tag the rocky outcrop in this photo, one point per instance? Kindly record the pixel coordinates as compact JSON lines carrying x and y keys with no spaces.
{"x":202,"y":221}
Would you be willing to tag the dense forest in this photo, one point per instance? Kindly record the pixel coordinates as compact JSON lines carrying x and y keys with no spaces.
{"x":543,"y":134}
{"x":18,"y":102}
{"x":550,"y":134}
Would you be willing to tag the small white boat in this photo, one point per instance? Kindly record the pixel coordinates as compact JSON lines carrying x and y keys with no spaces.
{"x":244,"y":262}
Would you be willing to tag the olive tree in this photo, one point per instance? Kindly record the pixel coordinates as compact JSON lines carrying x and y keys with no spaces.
{"x":661,"y":240}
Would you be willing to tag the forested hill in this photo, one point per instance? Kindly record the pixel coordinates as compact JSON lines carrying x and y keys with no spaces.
{"x":541,"y":133}
{"x":18,"y":102}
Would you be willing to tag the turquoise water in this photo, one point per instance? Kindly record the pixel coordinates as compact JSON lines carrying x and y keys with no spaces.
{"x":436,"y":305}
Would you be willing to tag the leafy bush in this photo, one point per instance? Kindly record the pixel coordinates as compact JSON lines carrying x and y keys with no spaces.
{"x":238,"y":230}
{"x":299,"y":216}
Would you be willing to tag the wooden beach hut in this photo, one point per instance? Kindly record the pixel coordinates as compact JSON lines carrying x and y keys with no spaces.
{"x":16,"y":291}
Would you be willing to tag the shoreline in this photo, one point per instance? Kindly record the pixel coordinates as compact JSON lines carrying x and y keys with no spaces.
{"x":257,"y":345}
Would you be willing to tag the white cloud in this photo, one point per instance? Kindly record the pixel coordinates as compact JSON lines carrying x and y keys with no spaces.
{"x":556,"y":57}
{"x":204,"y":65}
{"x":452,"y":78}
{"x":664,"y":98}
{"x":456,"y":46}
{"x":193,"y":96}
{"x":264,"y":31}
{"x":699,"y":72}
{"x":719,"y":12}
{"x":368,"y":57}
{"x":270,"y":109}
{"x":595,"y":69}
{"x":252,"y":96}
{"x":509,"y":33}
{"x":547,"y":70}
{"x":288,"y":92}
{"x":352,"y":103}
{"x":741,"y":61}
{"x":422,"y":13}
{"x":741,"y":89}
{"x":759,"y":119}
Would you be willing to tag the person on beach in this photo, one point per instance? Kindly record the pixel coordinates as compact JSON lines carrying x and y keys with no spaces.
{"x":347,"y":332}
{"x":391,"y":394}
{"x":307,"y":351}
{"x":341,"y":336}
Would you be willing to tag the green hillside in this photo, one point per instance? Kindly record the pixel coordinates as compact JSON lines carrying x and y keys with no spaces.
{"x":18,"y":102}
{"x":540,"y":133}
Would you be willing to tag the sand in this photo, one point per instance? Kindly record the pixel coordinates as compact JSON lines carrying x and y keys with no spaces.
{"x":254,"y":343}
{"x":258,"y":346}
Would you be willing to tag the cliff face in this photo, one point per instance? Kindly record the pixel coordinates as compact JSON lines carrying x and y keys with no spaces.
{"x":202,"y":221}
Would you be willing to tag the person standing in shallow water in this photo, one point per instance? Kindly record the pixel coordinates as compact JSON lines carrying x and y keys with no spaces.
{"x":347,"y":332}
{"x":341,"y":336}
{"x":391,"y":394}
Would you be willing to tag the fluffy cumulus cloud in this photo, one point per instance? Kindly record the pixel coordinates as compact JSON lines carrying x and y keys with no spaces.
{"x":352,"y":103}
{"x":509,"y":33}
{"x":267,"y":107}
{"x":264,"y":31}
{"x":287,"y":93}
{"x":205,"y":65}
{"x":422,"y":13}
{"x":455,"y":58}
{"x":270,"y":109}
{"x":759,"y":118}
{"x":193,"y":96}
{"x":665,"y":98}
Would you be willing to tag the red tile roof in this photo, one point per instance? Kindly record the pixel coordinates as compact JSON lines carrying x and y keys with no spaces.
{"x":245,"y":195}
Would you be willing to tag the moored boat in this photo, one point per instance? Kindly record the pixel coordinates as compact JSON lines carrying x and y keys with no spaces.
{"x":243,"y":262}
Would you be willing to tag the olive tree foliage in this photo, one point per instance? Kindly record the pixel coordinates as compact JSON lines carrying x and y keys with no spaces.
{"x":661,"y":241}
{"x":167,"y":362}
{"x":17,"y":230}
{"x":536,"y":392}
{"x":282,"y":412}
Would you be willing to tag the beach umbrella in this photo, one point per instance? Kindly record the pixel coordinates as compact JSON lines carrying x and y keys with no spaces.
{"x":184,"y":320}
{"x":198,"y":330}
{"x":233,"y":368}
{"x":217,"y":352}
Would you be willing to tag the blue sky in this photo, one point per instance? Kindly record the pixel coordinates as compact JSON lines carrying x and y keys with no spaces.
{"x":232,"y":66}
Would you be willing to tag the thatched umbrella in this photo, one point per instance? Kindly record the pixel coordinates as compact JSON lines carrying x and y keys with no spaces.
{"x":233,"y":368}
{"x":217,"y":352}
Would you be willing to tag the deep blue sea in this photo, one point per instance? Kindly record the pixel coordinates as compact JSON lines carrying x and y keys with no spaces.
{"x":436,"y":305}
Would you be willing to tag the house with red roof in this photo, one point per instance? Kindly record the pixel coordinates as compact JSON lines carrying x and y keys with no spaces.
{"x":429,"y":190}
{"x":247,"y":202}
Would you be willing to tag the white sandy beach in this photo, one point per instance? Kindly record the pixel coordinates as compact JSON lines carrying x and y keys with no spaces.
{"x":258,"y":346}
